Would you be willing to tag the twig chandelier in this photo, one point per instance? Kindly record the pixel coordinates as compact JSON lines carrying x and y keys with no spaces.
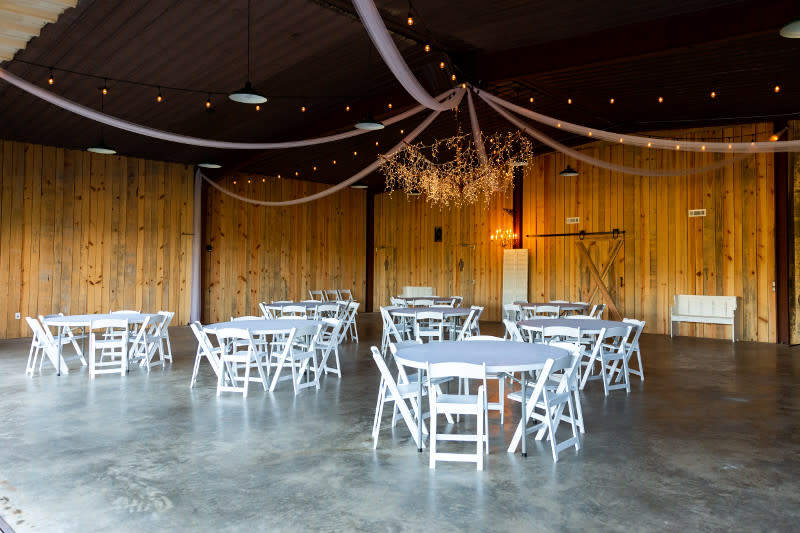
{"x":450,"y":171}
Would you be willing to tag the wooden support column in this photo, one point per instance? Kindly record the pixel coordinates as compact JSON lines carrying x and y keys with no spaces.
{"x":517,"y":205}
{"x":783,"y":236}
{"x":369,"y":250}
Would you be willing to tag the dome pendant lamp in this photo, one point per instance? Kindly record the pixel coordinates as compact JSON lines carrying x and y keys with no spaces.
{"x":101,"y":147}
{"x":248,"y":95}
{"x":369,"y":123}
{"x":567,"y":172}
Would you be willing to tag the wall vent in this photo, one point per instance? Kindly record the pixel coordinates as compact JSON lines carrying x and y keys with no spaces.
{"x":573,"y":220}
{"x":697,"y":213}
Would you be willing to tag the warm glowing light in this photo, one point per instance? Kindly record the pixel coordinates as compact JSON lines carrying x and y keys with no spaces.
{"x":453,"y":77}
{"x":410,"y":20}
{"x":611,"y":101}
{"x":713,"y":94}
{"x":441,"y":65}
{"x":703,"y":148}
{"x":376,"y":143}
{"x":258,"y":107}
{"x":334,"y":161}
{"x":774,"y":137}
{"x":303,"y":109}
{"x":427,"y":48}
{"x":234,"y":182}
{"x":51,"y":80}
{"x":590,"y":134}
{"x":558,"y":125}
{"x":730,"y":147}
{"x":104,"y":90}
{"x":355,"y":153}
{"x":503,"y":237}
{"x":249,"y":181}
{"x":347,"y":108}
{"x":569,"y":101}
{"x":620,"y":139}
{"x":777,"y":89}
{"x":263,"y":180}
{"x":159,"y":98}
{"x":530,"y":99}
{"x":208,"y":103}
{"x":296,"y":173}
{"x":315,"y":169}
{"x":649,"y":145}
{"x":660,"y":99}
{"x":389,"y":106}
{"x":677,"y":146}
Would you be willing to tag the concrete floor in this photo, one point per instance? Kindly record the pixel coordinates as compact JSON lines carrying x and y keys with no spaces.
{"x":711,"y":441}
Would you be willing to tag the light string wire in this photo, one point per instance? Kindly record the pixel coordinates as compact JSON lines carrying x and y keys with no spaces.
{"x":648,"y":142}
{"x":380,"y":37}
{"x":356,"y":177}
{"x":580,"y":156}
{"x":122,"y":124}
{"x":476,"y":130}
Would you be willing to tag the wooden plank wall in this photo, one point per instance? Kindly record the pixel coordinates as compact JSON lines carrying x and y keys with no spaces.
{"x":85,"y":233}
{"x":406,"y":254}
{"x":728,"y":252}
{"x":272,"y":253}
{"x":794,"y":246}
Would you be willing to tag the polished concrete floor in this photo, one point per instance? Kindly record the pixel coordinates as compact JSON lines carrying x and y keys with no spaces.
{"x":710,"y":441}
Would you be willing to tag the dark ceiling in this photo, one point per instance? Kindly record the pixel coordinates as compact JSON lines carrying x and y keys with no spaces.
{"x":315,"y":53}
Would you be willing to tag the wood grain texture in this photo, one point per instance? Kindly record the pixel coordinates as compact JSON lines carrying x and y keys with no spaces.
{"x":273,"y":253}
{"x":74,"y":237}
{"x":794,"y":244}
{"x":466,"y":263}
{"x":729,"y":252}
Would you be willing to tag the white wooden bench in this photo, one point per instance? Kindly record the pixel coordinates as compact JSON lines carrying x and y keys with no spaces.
{"x":704,"y":309}
{"x":411,"y":291}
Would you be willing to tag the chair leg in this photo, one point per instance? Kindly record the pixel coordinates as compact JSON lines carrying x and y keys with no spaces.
{"x":433,"y":437}
{"x":196,"y":367}
{"x":480,"y":437}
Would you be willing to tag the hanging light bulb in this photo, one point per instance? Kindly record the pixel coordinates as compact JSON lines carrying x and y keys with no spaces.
{"x":347,"y":108}
{"x":101,"y":147}
{"x":159,"y":98}
{"x":777,"y":89}
{"x":611,"y":101}
{"x":208,"y":102}
{"x":453,"y":77}
{"x":713,"y":94}
{"x":104,"y":90}
{"x":51,"y":80}
{"x":660,"y":99}
{"x":258,"y":107}
{"x":410,"y":19}
{"x":427,"y":48}
{"x":303,"y":109}
{"x":441,"y":65}
{"x":248,"y":95}
{"x":569,"y":101}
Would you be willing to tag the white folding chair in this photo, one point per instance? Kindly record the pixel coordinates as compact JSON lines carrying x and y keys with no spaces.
{"x":168,"y":316}
{"x":513,"y":313}
{"x":424,"y":302}
{"x":546,"y":406}
{"x":512,"y":331}
{"x":268,"y":310}
{"x":398,"y":302}
{"x":328,"y":339}
{"x":466,"y":327}
{"x":458,"y":404}
{"x":108,"y":346}
{"x":609,"y":350}
{"x":429,"y":325}
{"x":346,"y":294}
{"x":299,"y":353}
{"x":237,"y":355}
{"x":546,"y":311}
{"x":332,"y":295}
{"x":204,"y":349}
{"x":499,"y":405}
{"x":350,"y":328}
{"x":475,"y":328}
{"x":632,"y":345}
{"x":316,"y":295}
{"x":297,"y":311}
{"x":42,"y":344}
{"x":571,"y":339}
{"x":68,"y":336}
{"x":456,"y":300}
{"x":390,"y":391}
{"x":328,"y":310}
{"x":597,"y":311}
{"x":148,"y":341}
{"x":126,"y":311}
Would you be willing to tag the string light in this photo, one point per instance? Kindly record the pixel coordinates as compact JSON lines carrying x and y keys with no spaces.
{"x":427,"y":48}
{"x":569,"y":101}
{"x":777,"y":89}
{"x":296,"y":173}
{"x":263,"y":180}
{"x":51,"y":80}
{"x":258,"y":107}
{"x":590,"y":134}
{"x":611,"y":101}
{"x":441,"y":65}
{"x":315,"y":169}
{"x":410,"y":19}
{"x":355,"y":153}
{"x":649,"y":145}
{"x":402,"y":132}
{"x":390,"y":105}
{"x":347,"y":109}
{"x":660,"y":99}
{"x":208,"y":102}
{"x":376,"y":143}
{"x":713,"y":94}
{"x":334,"y":161}
{"x":303,"y":109}
{"x":104,"y":90}
{"x":234,"y":182}
{"x":703,"y":148}
{"x":453,"y":77}
{"x":249,"y":181}
{"x":159,"y":98}
{"x":774,"y":137}
{"x":530,"y":99}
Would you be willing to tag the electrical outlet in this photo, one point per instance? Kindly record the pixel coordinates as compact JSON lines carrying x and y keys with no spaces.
{"x":17,"y":316}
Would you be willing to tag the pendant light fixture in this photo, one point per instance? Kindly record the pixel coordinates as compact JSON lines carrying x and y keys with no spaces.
{"x":791,"y":30}
{"x":248,"y":95}
{"x":101,"y":147}
{"x":568,"y":172}
{"x":209,"y":164}
{"x":369,"y":122}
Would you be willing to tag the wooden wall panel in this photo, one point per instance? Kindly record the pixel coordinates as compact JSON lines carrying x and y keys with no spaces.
{"x":729,"y":252}
{"x":466,"y":263}
{"x":272,"y":253}
{"x":83,"y":233}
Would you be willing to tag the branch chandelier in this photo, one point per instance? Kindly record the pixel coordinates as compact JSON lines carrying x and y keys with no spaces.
{"x":467,"y":173}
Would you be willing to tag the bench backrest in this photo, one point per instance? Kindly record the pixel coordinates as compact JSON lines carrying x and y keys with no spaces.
{"x":700,"y":305}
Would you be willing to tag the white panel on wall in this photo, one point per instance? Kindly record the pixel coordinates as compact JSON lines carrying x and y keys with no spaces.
{"x":515,"y":275}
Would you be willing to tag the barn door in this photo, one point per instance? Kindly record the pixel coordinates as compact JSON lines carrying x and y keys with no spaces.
{"x":385,"y":275}
{"x":600,"y":274}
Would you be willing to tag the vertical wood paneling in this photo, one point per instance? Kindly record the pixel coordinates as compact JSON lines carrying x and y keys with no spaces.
{"x":271,"y":253}
{"x":466,"y":263}
{"x":80,"y":233}
{"x":730,"y":252}
{"x":794,"y":246}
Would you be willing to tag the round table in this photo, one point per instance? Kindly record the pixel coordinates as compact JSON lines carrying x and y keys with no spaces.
{"x":499,"y":356}
{"x":587,"y":325}
{"x":265,"y":327}
{"x":411,"y":312}
{"x":411,"y":300}
{"x":85,"y":321}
